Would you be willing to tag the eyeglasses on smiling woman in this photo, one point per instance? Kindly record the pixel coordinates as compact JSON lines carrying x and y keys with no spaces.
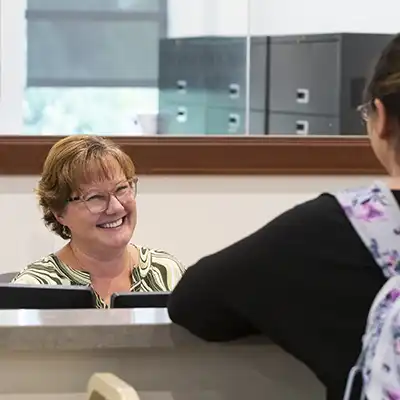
{"x":98,"y":202}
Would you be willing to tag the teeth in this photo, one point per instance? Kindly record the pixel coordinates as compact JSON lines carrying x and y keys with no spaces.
{"x":114,"y":224}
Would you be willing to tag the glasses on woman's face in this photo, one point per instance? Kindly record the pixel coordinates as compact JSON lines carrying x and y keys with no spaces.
{"x":98,"y":202}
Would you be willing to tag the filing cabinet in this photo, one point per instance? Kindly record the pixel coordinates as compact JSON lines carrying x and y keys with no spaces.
{"x":228,"y":121}
{"x":198,"y":120}
{"x":289,"y":124}
{"x":259,"y":81}
{"x":181,"y":71}
{"x":209,"y":73}
{"x":304,"y":76}
{"x":181,"y":119}
{"x":224,"y":120}
{"x":316,"y":82}
{"x":226,"y":76}
{"x":226,"y":72}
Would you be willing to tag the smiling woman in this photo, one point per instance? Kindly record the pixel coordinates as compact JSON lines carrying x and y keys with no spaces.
{"x":87,"y":193}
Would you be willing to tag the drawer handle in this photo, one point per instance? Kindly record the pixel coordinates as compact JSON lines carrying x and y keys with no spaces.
{"x":181,"y":115}
{"x":181,"y":85}
{"x":234,"y":122}
{"x":234,"y":91}
{"x":302,"y":127}
{"x":302,"y":96}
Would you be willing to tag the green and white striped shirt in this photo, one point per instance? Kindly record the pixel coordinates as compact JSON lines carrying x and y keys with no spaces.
{"x":157,"y":271}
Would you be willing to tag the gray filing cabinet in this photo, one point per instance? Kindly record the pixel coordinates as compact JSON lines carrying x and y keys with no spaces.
{"x":182,"y":119}
{"x":316,"y":82}
{"x":181,"y":71}
{"x":208,"y":75}
{"x":226,"y":72}
{"x":228,"y":121}
{"x":282,"y":123}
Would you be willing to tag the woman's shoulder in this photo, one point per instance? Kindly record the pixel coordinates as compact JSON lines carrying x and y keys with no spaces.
{"x":43,"y":271}
{"x":321,"y":211}
{"x":162,"y":263}
{"x":158,"y":256}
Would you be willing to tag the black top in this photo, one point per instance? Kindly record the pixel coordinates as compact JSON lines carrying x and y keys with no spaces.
{"x":306,"y":280}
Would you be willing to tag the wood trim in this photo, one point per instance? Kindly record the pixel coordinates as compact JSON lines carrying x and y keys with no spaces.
{"x":24,"y":155}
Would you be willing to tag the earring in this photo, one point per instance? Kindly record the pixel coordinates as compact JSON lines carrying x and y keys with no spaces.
{"x":66,"y":232}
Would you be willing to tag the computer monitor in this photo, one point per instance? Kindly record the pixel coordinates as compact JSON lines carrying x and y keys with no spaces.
{"x":139,"y":300}
{"x":45,"y":297}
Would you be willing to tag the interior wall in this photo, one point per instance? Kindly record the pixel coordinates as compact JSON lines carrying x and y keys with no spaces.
{"x":12,"y":64}
{"x":281,"y":17}
{"x":189,"y":216}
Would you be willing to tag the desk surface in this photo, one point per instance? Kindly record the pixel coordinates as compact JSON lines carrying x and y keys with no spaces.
{"x":79,"y":330}
{"x":55,"y":352}
{"x":83,"y":318}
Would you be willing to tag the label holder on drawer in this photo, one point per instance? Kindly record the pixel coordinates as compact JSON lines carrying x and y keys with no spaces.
{"x":234,"y":91}
{"x":181,"y":86}
{"x":233,"y":122}
{"x":302,"y":127}
{"x":302,"y":96}
{"x":181,"y":115}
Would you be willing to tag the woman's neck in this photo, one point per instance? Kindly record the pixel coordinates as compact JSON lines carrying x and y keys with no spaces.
{"x":98,"y":266}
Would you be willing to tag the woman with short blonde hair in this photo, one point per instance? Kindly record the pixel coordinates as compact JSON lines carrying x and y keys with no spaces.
{"x":87,"y":193}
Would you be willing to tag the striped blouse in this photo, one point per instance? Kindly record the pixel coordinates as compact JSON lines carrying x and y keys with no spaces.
{"x":157,"y":271}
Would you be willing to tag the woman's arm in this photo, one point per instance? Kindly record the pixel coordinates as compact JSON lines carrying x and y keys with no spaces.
{"x":224,"y":296}
{"x":197,"y":303}
{"x":252,"y":285}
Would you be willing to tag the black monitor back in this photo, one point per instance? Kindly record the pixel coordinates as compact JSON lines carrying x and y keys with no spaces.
{"x":45,"y":297}
{"x":140,"y":300}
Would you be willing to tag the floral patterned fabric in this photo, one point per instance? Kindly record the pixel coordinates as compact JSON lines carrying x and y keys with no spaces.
{"x":375,"y":215}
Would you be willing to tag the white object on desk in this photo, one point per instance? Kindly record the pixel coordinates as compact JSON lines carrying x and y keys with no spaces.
{"x":110,"y":387}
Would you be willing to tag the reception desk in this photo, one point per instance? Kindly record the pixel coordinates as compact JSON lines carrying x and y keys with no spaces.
{"x":52,"y":354}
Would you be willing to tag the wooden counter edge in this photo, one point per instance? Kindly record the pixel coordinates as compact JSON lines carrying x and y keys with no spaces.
{"x":213,"y":155}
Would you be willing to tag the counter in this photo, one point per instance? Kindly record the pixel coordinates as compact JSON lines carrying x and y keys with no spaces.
{"x":53,"y":354}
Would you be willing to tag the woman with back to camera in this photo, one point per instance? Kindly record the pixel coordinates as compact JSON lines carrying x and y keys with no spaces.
{"x":87,"y":193}
{"x":307,"y":279}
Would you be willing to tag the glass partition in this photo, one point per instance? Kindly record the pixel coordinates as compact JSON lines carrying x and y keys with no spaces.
{"x":221,"y":67}
{"x":134,"y":68}
{"x":319,"y":57}
{"x":93,"y":65}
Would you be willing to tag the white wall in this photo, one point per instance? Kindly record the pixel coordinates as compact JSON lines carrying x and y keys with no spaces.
{"x":12,"y":64}
{"x":188,"y":21}
{"x":189,"y":216}
{"x":314,"y":16}
{"x":281,"y":17}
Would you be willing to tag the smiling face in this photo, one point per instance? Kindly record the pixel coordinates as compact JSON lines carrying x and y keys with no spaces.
{"x":101,"y":212}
